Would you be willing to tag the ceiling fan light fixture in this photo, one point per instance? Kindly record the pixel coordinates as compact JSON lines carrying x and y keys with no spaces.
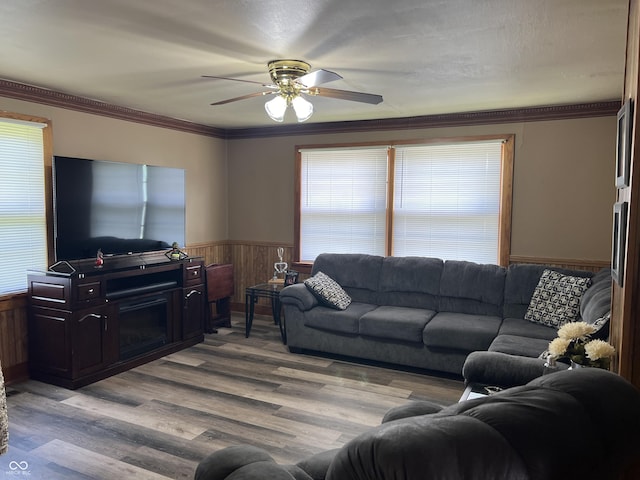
{"x":276,"y":107}
{"x":302,"y":107}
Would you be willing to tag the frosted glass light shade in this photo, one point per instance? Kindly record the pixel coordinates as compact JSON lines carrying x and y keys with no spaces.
{"x":302,"y":107}
{"x":276,"y":107}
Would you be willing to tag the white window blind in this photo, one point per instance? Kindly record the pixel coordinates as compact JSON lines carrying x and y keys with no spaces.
{"x":447,"y":201}
{"x":343,"y":201}
{"x":23,"y":231}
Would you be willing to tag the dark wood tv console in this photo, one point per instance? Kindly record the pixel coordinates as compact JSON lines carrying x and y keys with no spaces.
{"x":88,"y":323}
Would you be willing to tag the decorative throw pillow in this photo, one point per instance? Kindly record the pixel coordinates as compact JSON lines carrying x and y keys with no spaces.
{"x":328,"y":291}
{"x":556,"y":299}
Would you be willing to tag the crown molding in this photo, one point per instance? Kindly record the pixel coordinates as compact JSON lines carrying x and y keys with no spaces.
{"x":464,"y":119}
{"x":45,"y":96}
{"x":31,"y":93}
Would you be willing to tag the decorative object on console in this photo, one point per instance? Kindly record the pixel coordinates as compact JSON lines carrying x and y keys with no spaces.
{"x":175,"y":253}
{"x":574,"y":343}
{"x":99,"y":258}
{"x":279,"y":268}
{"x":556,"y":299}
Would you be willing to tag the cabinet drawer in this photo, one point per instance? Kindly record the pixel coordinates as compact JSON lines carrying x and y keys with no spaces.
{"x":88,"y":291}
{"x":193,"y":274}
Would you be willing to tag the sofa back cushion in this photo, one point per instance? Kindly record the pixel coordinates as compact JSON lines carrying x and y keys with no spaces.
{"x":357,"y":274}
{"x":522,"y":280}
{"x":467,"y":287}
{"x":410,"y":282}
{"x":595,"y":306}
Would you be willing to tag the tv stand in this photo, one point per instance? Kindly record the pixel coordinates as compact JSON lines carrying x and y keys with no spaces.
{"x":88,"y":323}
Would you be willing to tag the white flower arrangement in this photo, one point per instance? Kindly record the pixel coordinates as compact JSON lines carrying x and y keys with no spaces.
{"x":574,"y":343}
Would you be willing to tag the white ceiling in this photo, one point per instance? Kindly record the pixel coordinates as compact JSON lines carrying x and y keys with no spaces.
{"x":423,"y":56}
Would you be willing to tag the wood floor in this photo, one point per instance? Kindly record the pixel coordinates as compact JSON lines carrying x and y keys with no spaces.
{"x":159,"y":420}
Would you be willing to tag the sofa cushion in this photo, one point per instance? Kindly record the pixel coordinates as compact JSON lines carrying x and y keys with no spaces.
{"x":343,"y":321}
{"x":556,"y":299}
{"x":461,"y":331}
{"x":410,"y":282}
{"x":317,"y":465}
{"x":525,"y":328}
{"x":516,"y":345}
{"x":521,"y":281}
{"x":397,"y":323}
{"x":595,"y":306}
{"x":357,"y":274}
{"x":473,"y":288}
{"x":328,"y":291}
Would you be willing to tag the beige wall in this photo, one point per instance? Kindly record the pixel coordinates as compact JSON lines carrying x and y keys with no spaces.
{"x":243,"y":190}
{"x":563,"y":184}
{"x":96,"y":137}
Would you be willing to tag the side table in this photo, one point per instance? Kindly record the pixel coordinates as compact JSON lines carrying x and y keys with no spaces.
{"x":264,"y":290}
{"x":475,"y":390}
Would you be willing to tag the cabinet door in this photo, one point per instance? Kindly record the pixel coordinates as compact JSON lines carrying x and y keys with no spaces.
{"x":92,"y":340}
{"x":193,"y":311}
{"x":50,"y":341}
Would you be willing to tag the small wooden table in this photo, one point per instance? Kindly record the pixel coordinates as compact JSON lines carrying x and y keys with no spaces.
{"x":264,"y":290}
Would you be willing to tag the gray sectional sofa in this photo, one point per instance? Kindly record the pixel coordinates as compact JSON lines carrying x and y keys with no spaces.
{"x":428,"y":313}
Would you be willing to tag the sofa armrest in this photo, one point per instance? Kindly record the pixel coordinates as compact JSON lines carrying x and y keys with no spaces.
{"x":299,"y":296}
{"x":502,"y":369}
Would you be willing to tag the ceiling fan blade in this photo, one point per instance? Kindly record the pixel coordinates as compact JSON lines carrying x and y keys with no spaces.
{"x":243,"y":97}
{"x":348,"y":95}
{"x":318,"y":77}
{"x":240,"y":80}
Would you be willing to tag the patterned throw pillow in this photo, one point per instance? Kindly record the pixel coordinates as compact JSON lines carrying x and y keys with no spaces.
{"x":328,"y":291}
{"x":556,"y":299}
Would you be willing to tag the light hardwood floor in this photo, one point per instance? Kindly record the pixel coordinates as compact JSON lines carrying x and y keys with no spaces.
{"x":159,"y":420}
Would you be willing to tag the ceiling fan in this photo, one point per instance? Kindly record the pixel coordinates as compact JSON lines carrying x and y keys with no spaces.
{"x":292,"y":79}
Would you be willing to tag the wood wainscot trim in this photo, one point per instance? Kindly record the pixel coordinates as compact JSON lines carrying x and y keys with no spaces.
{"x":14,"y":351}
{"x":572,"y":264}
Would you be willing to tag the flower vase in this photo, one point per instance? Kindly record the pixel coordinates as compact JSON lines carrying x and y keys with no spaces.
{"x":576,"y":366}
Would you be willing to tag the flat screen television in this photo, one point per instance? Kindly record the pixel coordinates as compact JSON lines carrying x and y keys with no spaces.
{"x":119,"y":208}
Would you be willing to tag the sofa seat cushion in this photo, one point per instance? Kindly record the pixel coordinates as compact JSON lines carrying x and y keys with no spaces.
{"x":461,"y":331}
{"x":516,"y":345}
{"x":397,"y":323}
{"x":343,"y":321}
{"x":525,"y":328}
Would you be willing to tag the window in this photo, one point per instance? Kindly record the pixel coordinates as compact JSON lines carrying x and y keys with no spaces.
{"x":450,"y":200}
{"x":447,"y":201}
{"x":343,"y":201}
{"x":23,"y":220}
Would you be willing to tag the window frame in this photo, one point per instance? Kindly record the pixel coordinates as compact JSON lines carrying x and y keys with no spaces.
{"x":506,"y":188}
{"x":47,"y":153}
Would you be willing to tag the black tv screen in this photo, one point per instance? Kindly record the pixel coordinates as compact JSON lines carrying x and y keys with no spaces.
{"x":119,"y":208}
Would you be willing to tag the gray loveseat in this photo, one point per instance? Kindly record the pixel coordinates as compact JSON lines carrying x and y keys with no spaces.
{"x":428,"y":313}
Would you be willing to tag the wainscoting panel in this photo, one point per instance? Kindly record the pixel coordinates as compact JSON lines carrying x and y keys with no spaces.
{"x":14,"y":338}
